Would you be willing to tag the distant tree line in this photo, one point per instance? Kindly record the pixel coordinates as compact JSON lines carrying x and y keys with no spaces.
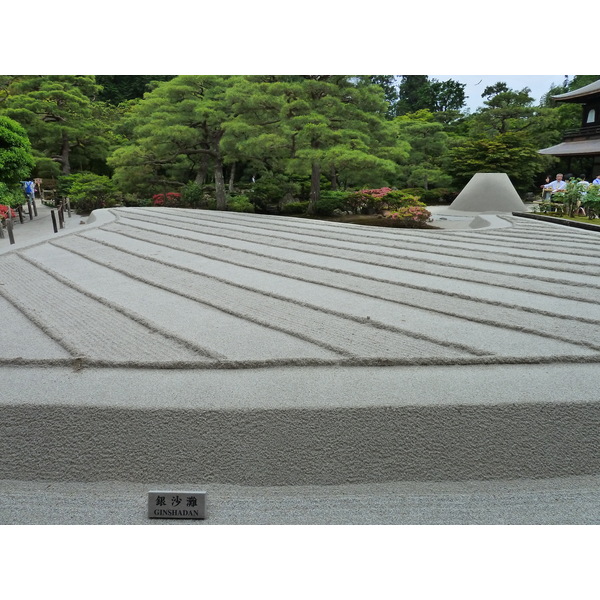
{"x":296,"y":136}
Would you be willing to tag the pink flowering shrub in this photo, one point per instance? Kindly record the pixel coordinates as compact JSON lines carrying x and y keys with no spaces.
{"x":378,"y":193}
{"x":173,"y":199}
{"x":411,"y":216}
{"x":368,"y":200}
{"x":4,"y":212}
{"x":380,"y":200}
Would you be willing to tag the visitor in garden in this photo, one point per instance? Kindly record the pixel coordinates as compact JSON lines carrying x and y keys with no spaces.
{"x":558,"y":185}
{"x":596,"y":181}
{"x":583,"y":185}
{"x":29,"y":191}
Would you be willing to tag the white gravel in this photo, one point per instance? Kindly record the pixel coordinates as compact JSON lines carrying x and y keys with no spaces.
{"x":308,"y":372}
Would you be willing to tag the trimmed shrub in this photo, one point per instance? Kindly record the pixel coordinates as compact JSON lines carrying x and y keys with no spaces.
{"x":331,"y":201}
{"x":170,"y":199}
{"x":134,"y":200}
{"x":240,"y":204}
{"x":192,"y":195}
{"x":271,"y":189}
{"x":88,"y":192}
{"x":401,"y":198}
{"x":294,"y":208}
{"x":414,"y":191}
{"x":411,"y":216}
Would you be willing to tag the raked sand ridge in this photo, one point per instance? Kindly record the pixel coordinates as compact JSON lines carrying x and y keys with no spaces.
{"x":168,"y":345}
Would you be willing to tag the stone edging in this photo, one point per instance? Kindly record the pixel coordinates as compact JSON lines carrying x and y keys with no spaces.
{"x":558,"y":221}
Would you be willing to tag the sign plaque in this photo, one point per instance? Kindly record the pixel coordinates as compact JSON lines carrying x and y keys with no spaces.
{"x":176,"y":505}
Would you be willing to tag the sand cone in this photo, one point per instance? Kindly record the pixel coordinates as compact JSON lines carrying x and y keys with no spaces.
{"x":488,"y":193}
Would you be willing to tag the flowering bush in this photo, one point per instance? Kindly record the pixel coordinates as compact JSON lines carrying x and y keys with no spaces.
{"x":368,"y":200}
{"x":411,"y":216}
{"x":4,"y":212}
{"x":381,"y":199}
{"x":172,"y":199}
{"x":378,"y":193}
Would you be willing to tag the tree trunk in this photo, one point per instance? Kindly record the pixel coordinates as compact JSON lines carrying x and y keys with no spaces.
{"x":333,"y":177}
{"x":315,"y":187}
{"x":202,"y":170}
{"x":231,"y":178}
{"x":220,"y":196}
{"x":64,"y":154}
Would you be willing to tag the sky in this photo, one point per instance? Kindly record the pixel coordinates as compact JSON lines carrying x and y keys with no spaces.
{"x":475,"y":84}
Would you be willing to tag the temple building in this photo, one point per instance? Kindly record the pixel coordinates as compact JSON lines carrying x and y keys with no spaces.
{"x":584,"y":142}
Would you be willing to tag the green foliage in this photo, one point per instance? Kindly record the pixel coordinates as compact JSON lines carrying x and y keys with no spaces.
{"x":176,"y":132}
{"x":580,"y":81}
{"x":294,"y":208}
{"x":508,"y":153}
{"x":331,"y":201}
{"x":192,"y":195}
{"x":376,"y":201}
{"x":61,"y":117}
{"x":591,"y":201}
{"x":240,"y":204}
{"x":437,"y":195}
{"x":411,"y":216}
{"x":389,"y":86}
{"x":575,"y":195}
{"x":45,"y":167}
{"x":134,"y":200}
{"x":415,"y":191}
{"x":400,"y":198}
{"x":64,"y":183}
{"x":88,"y":192}
{"x":340,"y":196}
{"x":271,"y":189}
{"x":297,"y":135}
{"x":418,"y":92}
{"x":505,"y":111}
{"x":11,"y":195}
{"x":16,"y":160}
{"x":119,"y":88}
{"x":429,"y":145}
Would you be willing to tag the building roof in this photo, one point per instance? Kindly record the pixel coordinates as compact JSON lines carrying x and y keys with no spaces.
{"x":578,"y":148}
{"x":579,"y":95}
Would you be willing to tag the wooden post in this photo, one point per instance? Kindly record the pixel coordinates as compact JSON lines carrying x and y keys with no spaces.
{"x":20,"y":211}
{"x":54,"y":221}
{"x":34,"y":206}
{"x":29,"y":208}
{"x":1,"y":231}
{"x":9,"y":226}
{"x":61,"y":218}
{"x":38,"y":183}
{"x":68,"y":207}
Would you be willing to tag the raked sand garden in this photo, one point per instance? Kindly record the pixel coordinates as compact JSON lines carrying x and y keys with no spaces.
{"x":168,"y":347}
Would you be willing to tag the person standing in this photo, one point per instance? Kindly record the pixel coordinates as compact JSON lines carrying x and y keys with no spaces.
{"x":582,"y":185}
{"x":29,"y":190}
